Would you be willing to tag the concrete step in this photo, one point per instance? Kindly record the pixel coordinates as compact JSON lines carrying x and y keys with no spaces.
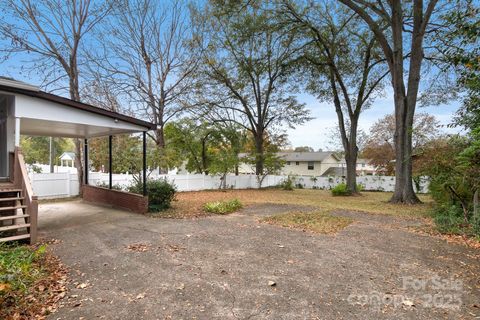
{"x":15,"y":238}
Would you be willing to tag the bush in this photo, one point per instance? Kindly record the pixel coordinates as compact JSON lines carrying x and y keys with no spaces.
{"x":449,"y":219}
{"x":286,"y":184}
{"x":160,"y":193}
{"x":341,"y":190}
{"x":107,"y":186}
{"x":223,"y":207}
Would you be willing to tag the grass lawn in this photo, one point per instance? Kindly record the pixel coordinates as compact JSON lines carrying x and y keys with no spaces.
{"x":31,"y":282}
{"x":190,"y":204}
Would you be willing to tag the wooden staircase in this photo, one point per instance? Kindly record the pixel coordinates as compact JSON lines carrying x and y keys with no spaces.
{"x":18,"y":206}
{"x":14,"y":220}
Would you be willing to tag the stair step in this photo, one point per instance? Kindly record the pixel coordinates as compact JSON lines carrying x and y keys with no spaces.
{"x":15,"y":238}
{"x":12,"y":208}
{"x":9,"y":190}
{"x":15,"y":226}
{"x":12,"y":199}
{"x":18,"y":216}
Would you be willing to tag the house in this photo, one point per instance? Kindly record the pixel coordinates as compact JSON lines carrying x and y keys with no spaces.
{"x":25,"y":109}
{"x":308,"y":163}
{"x":324,"y":163}
{"x":67,"y":159}
{"x":364,"y":167}
{"x":301,"y":163}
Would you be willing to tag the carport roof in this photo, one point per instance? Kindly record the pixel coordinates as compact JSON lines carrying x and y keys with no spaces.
{"x":17,"y":87}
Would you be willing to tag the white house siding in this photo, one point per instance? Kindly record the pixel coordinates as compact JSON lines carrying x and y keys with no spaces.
{"x":65,"y":121}
{"x":291,"y":168}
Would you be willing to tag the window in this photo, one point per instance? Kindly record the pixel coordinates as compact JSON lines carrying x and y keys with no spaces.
{"x":311,"y":165}
{"x":288,"y":163}
{"x":297,"y":163}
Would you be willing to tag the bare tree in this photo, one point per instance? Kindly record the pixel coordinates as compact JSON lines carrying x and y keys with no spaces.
{"x":53,"y":32}
{"x":404,"y":36}
{"x":246,"y":59}
{"x":345,"y":67}
{"x":145,"y":57}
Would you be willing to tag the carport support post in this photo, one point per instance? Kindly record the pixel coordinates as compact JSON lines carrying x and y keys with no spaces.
{"x":110,"y":138}
{"x":144,"y":163}
{"x":85,"y":154}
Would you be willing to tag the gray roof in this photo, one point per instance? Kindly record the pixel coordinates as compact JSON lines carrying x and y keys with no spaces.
{"x":359,"y":161}
{"x":305,"y":156}
{"x":71,"y":155}
{"x":10,"y":82}
{"x":335,"y":172}
{"x":301,"y":156}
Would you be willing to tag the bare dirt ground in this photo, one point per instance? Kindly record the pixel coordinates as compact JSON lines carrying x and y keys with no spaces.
{"x":126,"y":266}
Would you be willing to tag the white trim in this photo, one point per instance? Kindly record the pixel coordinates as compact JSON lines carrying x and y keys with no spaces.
{"x":17,"y":132}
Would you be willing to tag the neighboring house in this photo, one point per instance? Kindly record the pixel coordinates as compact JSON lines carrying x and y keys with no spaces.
{"x":67,"y":159}
{"x":364,"y":168}
{"x":325,"y":163}
{"x":308,"y":163}
{"x":301,"y":163}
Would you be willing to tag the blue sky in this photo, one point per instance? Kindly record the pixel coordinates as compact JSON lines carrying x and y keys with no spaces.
{"x":316,"y":133}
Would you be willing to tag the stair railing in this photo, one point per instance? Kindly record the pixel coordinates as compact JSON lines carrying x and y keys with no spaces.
{"x":22,"y":181}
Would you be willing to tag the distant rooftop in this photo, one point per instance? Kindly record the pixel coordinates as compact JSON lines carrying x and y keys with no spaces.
{"x":10,"y":82}
{"x":305,"y":156}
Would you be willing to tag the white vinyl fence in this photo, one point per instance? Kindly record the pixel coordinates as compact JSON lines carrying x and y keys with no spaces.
{"x":58,"y":185}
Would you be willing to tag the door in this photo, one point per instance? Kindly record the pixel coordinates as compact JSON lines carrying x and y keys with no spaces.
{"x":3,"y":139}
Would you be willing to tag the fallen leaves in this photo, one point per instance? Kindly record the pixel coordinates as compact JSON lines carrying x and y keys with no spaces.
{"x":138,"y":247}
{"x":5,"y":287}
{"x":450,"y":238}
{"x":41,"y":298}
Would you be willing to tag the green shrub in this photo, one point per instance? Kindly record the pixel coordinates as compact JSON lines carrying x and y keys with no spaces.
{"x":449,"y":219}
{"x":223,"y":207}
{"x":341,"y":190}
{"x":299,"y":186}
{"x":286,"y":184}
{"x":107,"y":186}
{"x":160,"y":193}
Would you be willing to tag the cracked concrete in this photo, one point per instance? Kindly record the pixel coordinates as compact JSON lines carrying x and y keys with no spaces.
{"x":219,"y":267}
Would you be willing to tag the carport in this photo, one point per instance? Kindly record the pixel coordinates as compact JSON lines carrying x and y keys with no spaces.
{"x":26,"y":110}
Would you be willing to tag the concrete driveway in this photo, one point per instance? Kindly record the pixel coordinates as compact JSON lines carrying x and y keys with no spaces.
{"x":126,"y":266}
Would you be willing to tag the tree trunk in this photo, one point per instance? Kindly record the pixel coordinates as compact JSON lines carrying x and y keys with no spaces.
{"x":259,"y":154}
{"x":160,"y":134}
{"x":351,"y":161}
{"x":160,"y":142}
{"x":78,"y":164}
{"x":75,"y":95}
